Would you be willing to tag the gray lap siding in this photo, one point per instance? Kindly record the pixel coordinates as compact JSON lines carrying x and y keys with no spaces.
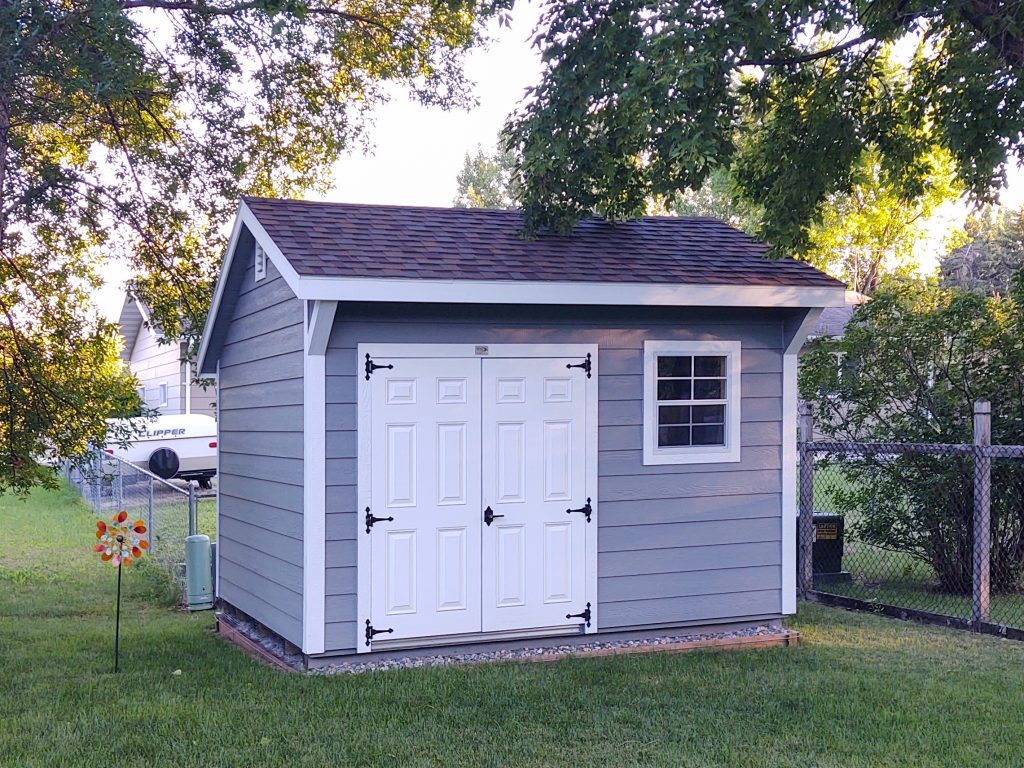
{"x":677,"y":544}
{"x":261,"y":447}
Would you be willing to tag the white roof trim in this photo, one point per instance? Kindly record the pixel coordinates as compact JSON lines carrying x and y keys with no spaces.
{"x":566,"y":292}
{"x":416,"y":290}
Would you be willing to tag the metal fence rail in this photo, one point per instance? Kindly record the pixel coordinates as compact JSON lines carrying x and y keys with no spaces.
{"x":927,"y":531}
{"x":171,"y":510}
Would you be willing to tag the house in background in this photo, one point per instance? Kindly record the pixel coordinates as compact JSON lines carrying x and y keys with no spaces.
{"x":833,"y":320}
{"x":434,"y":432}
{"x":165,"y":375}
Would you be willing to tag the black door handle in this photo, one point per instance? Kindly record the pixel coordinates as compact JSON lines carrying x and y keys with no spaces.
{"x":489,"y":515}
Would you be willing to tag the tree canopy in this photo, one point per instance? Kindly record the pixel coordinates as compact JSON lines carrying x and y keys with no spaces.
{"x":914,"y":360}
{"x":131,"y":127}
{"x":995,"y":249}
{"x":642,"y":98}
{"x":485,"y":180}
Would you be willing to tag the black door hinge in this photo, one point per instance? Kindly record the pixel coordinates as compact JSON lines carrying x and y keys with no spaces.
{"x":370,"y":631}
{"x":586,"y":509}
{"x":585,"y":365}
{"x":584,"y":614}
{"x":372,"y":366}
{"x":370,"y":520}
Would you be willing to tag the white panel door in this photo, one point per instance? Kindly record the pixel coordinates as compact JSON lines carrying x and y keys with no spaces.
{"x":425,"y":467}
{"x":534,"y":469}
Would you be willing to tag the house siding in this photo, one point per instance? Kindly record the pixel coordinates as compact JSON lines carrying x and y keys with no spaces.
{"x":260,"y":389}
{"x":677,"y":544}
{"x":153,"y":364}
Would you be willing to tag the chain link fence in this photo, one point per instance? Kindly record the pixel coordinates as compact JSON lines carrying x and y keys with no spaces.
{"x":927,"y":531}
{"x":171,"y":509}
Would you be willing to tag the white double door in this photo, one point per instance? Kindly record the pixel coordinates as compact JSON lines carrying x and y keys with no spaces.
{"x":474,"y":464}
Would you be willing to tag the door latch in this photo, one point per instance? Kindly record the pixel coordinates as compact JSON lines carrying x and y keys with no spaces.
{"x":370,"y":520}
{"x":489,"y":516}
{"x":586,"y":509}
{"x":371,"y":631}
{"x":584,"y":614}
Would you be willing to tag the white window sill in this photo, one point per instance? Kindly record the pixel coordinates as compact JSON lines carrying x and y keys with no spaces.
{"x":729,"y":456}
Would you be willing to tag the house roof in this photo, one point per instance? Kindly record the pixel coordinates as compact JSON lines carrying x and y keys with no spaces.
{"x":133,"y":315}
{"x":369,"y":241}
{"x":833,"y":320}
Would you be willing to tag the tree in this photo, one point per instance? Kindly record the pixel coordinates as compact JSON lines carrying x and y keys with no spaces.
{"x":916,"y":357}
{"x":132,"y":127}
{"x":995,"y":248}
{"x":719,"y":198}
{"x":485,"y":180}
{"x":870,"y":233}
{"x":640,"y":99}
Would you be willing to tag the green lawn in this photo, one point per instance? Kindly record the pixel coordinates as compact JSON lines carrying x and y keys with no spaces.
{"x":860,"y":690}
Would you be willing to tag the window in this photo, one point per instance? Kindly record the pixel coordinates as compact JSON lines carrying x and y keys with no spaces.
{"x":142,"y":394}
{"x":163,"y":395}
{"x":260,"y":262}
{"x":691,"y":402}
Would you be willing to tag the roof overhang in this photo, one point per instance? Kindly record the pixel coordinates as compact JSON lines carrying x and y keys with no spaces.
{"x":418,"y":290}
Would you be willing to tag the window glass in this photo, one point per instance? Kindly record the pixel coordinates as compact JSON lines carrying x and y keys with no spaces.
{"x":691,"y":393}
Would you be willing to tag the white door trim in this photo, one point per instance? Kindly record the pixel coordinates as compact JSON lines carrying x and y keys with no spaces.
{"x":380,"y":352}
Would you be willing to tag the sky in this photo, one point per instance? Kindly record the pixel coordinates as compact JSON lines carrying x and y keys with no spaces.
{"x":417,"y":152}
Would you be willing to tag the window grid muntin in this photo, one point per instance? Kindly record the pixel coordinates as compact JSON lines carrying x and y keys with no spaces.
{"x":680,"y":434}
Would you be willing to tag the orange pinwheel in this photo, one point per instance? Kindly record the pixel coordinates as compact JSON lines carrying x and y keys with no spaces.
{"x":120,"y":542}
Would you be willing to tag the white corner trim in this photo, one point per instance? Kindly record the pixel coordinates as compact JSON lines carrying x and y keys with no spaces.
{"x":731,"y":452}
{"x":216,"y":583}
{"x":790,"y":397}
{"x":314,"y":476}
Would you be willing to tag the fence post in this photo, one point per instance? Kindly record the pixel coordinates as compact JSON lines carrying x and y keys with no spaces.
{"x":805,"y":557}
{"x":149,"y":519}
{"x":982,"y":512}
{"x":193,"y":515}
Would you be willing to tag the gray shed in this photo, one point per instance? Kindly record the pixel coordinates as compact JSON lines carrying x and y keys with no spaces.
{"x":434,"y":432}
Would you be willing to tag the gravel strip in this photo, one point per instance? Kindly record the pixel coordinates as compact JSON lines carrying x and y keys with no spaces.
{"x":519,"y":654}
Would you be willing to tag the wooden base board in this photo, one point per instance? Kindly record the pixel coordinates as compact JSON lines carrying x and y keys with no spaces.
{"x":251,"y":648}
{"x":785,"y":638}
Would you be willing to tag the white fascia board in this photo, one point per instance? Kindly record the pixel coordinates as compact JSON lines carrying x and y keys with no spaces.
{"x":218,"y":296}
{"x":790,"y":397}
{"x":563,"y":293}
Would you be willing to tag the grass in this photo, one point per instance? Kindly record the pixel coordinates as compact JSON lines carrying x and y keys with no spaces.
{"x":859,"y":691}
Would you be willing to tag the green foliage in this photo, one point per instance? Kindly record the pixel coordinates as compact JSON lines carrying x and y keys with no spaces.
{"x":870,"y":232}
{"x":132,"y":126}
{"x":485,"y":180}
{"x":915,"y":358}
{"x":719,"y":198}
{"x":642,"y":98}
{"x":995,"y":248}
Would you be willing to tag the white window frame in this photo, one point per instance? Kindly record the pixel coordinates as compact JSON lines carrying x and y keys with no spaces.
{"x":259,"y":262}
{"x":163,"y":394}
{"x":690,"y":454}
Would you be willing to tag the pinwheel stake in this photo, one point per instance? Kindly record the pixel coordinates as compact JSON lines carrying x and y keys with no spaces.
{"x":120,"y":543}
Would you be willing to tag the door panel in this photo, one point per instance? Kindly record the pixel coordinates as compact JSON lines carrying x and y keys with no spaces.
{"x":425,"y":468}
{"x":534,"y":468}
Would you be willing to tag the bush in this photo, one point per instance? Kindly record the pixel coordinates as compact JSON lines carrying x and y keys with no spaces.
{"x":911,"y":364}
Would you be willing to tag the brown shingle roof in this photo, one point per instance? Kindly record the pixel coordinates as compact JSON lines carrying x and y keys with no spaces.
{"x":346,"y":240}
